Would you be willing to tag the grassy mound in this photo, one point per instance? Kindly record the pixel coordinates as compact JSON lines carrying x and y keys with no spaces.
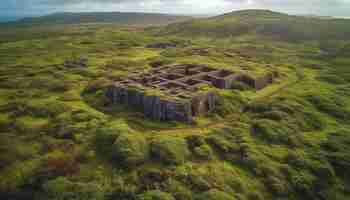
{"x":172,"y":151}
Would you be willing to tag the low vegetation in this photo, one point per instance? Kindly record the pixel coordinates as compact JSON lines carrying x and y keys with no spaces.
{"x":59,"y":140}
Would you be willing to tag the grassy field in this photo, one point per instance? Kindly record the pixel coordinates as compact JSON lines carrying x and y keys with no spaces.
{"x":288,"y":141}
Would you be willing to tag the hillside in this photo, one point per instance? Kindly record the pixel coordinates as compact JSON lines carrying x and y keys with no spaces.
{"x":119,"y":18}
{"x":263,"y":23}
{"x":61,"y":139}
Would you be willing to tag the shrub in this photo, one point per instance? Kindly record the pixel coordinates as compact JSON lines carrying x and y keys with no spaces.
{"x":131,"y":148}
{"x":278,"y":186}
{"x":84,"y":122}
{"x":8,"y":151}
{"x":155,"y":195}
{"x":289,"y":107}
{"x":302,"y":181}
{"x":343,"y":90}
{"x":60,"y":163}
{"x":259,"y":107}
{"x":276,"y":133}
{"x":203,"y":152}
{"x":123,"y":190}
{"x":82,"y":116}
{"x":315,"y":171}
{"x":14,"y":176}
{"x":96,"y":85}
{"x":298,"y":159}
{"x":198,"y":182}
{"x":70,"y":95}
{"x":51,"y":84}
{"x":325,"y":175}
{"x":152,"y":178}
{"x":308,"y":121}
{"x":333,"y":107}
{"x":227,"y":141}
{"x":195,"y":141}
{"x":5,"y":122}
{"x":255,"y":196}
{"x":337,"y":150}
{"x":332,"y":79}
{"x":107,"y":135}
{"x":237,"y":85}
{"x":274,"y":180}
{"x":86,"y":115}
{"x":50,"y":108}
{"x":215,"y":194}
{"x":229,"y":103}
{"x":179,"y":191}
{"x":293,"y":112}
{"x":32,"y":125}
{"x":42,"y":108}
{"x":274,"y":115}
{"x":62,"y":188}
{"x":171,"y":151}
{"x":221,"y":144}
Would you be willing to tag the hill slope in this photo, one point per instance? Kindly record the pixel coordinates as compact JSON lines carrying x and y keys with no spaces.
{"x":120,"y":18}
{"x":263,"y":22}
{"x":61,"y":139}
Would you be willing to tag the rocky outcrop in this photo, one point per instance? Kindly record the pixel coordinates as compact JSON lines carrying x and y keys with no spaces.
{"x":161,"y":45}
{"x":76,"y":62}
{"x":263,"y":81}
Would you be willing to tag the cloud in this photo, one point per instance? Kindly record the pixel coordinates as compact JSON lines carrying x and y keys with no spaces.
{"x":320,"y":7}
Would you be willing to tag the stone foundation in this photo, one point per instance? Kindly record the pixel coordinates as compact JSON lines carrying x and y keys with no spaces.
{"x":176,"y":90}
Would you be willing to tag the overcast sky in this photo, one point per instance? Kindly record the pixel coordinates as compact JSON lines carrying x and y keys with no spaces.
{"x":317,"y":7}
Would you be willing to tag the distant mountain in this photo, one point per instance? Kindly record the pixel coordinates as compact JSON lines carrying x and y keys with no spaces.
{"x":119,"y":18}
{"x":7,"y":18}
{"x":262,"y":23}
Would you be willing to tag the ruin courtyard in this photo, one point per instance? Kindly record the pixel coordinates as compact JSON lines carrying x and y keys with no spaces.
{"x":179,"y":92}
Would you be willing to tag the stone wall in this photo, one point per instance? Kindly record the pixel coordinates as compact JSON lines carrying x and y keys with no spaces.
{"x":152,"y":106}
{"x":180,"y":84}
{"x":161,"y":109}
{"x":263,"y":81}
{"x":259,"y":82}
{"x":203,"y":104}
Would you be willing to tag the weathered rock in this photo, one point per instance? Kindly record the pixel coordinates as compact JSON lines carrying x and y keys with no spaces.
{"x":76,"y":62}
{"x":161,"y":45}
{"x":263,"y":81}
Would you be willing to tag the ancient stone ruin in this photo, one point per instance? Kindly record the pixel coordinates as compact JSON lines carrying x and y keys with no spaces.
{"x":177,"y":92}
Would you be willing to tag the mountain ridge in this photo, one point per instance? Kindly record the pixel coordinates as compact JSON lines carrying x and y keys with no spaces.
{"x":263,"y":23}
{"x":120,"y":18}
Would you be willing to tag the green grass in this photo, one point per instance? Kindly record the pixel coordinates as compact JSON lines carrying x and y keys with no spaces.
{"x":287,"y":141}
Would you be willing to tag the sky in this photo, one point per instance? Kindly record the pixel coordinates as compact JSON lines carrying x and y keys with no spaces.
{"x":10,"y":8}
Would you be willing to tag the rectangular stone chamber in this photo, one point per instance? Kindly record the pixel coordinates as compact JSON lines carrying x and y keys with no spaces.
{"x":173,"y":93}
